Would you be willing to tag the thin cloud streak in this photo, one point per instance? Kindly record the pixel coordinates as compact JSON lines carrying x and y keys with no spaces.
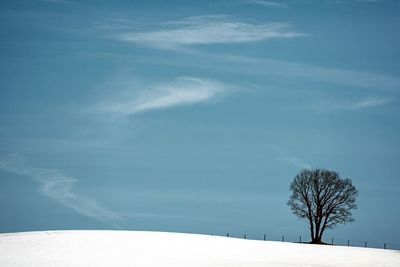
{"x":265,"y":66}
{"x":59,"y":187}
{"x":285,"y":157}
{"x":184,"y":91}
{"x":368,"y":1}
{"x":369,"y":102}
{"x":56,"y":1}
{"x":346,"y":2}
{"x":364,"y":103}
{"x":296,"y":162}
{"x":202,"y":30}
{"x":264,"y":3}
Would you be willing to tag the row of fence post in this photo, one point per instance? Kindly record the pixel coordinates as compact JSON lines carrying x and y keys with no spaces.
{"x":283,"y":240}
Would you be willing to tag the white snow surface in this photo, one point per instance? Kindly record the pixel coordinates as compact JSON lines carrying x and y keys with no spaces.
{"x":134,"y":248}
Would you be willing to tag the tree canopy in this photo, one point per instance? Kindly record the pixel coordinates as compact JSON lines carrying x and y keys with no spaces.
{"x":323,"y":199}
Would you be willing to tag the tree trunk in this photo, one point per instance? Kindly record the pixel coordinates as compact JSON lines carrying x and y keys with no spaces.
{"x":311,"y":228}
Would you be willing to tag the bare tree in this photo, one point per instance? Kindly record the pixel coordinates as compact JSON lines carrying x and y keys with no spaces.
{"x":323,"y":198}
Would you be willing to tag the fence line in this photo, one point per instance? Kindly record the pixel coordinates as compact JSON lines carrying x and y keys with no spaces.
{"x":301,"y":239}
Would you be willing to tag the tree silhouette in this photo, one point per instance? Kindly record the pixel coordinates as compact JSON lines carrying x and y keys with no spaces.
{"x":323,"y":198}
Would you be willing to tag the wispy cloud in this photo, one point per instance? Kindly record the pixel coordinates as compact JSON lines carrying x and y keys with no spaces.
{"x":296,"y":162}
{"x":369,"y":102}
{"x":212,"y":29}
{"x":354,"y":1}
{"x":44,"y":1}
{"x":284,"y":155}
{"x":53,"y":1}
{"x":364,"y":103}
{"x":59,"y":187}
{"x":270,"y":67}
{"x":369,"y":1}
{"x":264,"y":3}
{"x":183,"y":91}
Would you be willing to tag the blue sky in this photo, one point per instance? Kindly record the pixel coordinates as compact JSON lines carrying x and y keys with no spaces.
{"x":194,"y":116}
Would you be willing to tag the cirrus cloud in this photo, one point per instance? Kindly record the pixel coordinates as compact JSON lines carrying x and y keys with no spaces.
{"x":60,"y":187}
{"x":182,"y":91}
{"x":264,"y":3}
{"x":210,"y":29}
{"x":361,"y":104}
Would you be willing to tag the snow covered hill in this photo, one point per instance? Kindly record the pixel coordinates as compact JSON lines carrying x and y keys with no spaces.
{"x":130,"y":248}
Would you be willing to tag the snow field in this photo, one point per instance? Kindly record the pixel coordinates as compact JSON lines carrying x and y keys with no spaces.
{"x":151,"y":249}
